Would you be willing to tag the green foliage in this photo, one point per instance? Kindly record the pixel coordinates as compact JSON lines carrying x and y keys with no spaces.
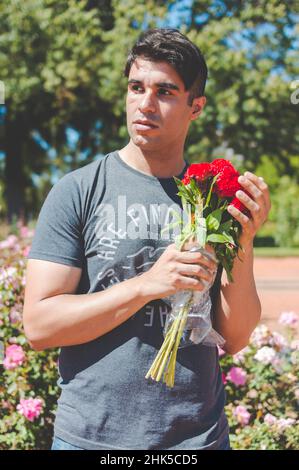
{"x":62,"y":65}
{"x":286,"y":212}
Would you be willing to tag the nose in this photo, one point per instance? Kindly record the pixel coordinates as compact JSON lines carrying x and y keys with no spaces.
{"x":147,"y":104}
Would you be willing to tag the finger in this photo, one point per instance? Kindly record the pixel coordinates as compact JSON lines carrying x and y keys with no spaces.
{"x":251,"y":187}
{"x":196,"y":270}
{"x":257,"y":180}
{"x":197,"y":258}
{"x":254,"y":208}
{"x":262,"y":185}
{"x":254,"y":200}
{"x":240,"y":217}
{"x":192,"y":283}
{"x":210,"y":249}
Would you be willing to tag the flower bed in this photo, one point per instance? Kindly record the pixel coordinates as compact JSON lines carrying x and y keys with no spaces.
{"x":261,"y":381}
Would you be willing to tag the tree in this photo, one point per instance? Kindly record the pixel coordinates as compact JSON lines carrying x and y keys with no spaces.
{"x":62,"y":64}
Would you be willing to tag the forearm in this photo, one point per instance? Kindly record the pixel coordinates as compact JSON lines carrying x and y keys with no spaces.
{"x":238,"y":309}
{"x":65,"y":320}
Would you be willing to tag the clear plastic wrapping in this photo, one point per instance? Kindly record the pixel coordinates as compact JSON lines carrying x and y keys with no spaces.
{"x":197,"y":306}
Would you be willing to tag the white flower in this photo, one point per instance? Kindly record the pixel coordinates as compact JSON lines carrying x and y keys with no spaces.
{"x":290,"y":319}
{"x":261,"y":336}
{"x":278,"y":340}
{"x":240,"y":356}
{"x":295,"y":344}
{"x":284,"y":423}
{"x":7,"y":273}
{"x":265,"y":355}
{"x":270,"y":419}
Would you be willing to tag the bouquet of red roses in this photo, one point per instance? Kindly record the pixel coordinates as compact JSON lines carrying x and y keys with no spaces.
{"x":206,"y":191}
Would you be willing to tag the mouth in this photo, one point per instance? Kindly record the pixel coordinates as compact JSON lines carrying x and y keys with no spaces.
{"x":144,"y":125}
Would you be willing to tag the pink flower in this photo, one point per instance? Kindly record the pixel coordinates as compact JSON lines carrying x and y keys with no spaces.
{"x":277,"y":365}
{"x":237,"y":376}
{"x":7,"y":273}
{"x":10,"y":242}
{"x":270,"y":419}
{"x":24,"y":231}
{"x":280,"y":423}
{"x":31,"y":408}
{"x":284,"y":423}
{"x":224,"y":381}
{"x":265,"y":355}
{"x":290,"y":319}
{"x":14,"y":316}
{"x":14,"y":357}
{"x":242,"y":415}
{"x":278,"y":341}
{"x":26,"y":251}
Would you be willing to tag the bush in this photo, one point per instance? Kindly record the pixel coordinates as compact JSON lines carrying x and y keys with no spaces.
{"x":25,"y":373}
{"x":262,"y":393}
{"x":262,"y":390}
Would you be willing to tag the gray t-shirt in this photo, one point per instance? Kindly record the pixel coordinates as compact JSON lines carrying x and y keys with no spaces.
{"x":106,"y":218}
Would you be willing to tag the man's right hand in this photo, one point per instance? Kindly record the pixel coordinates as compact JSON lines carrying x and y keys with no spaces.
{"x":177,"y":270}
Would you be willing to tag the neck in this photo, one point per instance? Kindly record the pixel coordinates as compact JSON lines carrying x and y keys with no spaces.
{"x":162,"y":164}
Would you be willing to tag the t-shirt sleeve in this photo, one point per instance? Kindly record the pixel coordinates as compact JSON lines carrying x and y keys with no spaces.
{"x":58,"y":232}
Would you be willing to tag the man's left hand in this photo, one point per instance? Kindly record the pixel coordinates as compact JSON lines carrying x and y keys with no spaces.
{"x":258,"y":204}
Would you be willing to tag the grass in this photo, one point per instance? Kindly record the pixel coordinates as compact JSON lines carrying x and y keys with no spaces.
{"x":275,"y":252}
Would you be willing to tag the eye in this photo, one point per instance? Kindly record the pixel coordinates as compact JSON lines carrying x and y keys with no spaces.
{"x":164,"y":91}
{"x":135,"y":87}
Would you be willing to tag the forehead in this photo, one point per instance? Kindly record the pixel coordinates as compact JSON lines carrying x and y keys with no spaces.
{"x":155,"y":72}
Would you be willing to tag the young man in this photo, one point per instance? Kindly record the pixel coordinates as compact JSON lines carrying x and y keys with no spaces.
{"x":100,"y":268}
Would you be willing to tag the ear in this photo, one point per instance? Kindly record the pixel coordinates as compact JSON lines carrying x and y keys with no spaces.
{"x":197,"y":106}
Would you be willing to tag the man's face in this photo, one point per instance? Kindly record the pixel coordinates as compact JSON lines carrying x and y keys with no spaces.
{"x":156,"y":95}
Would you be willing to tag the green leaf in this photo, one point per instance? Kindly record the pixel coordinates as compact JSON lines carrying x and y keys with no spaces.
{"x":229,"y":238}
{"x":226,"y":226}
{"x":216,"y":238}
{"x":214,"y":219}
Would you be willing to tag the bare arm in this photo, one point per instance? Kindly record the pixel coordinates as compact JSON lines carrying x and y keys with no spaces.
{"x":238,"y":309}
{"x":54,"y":315}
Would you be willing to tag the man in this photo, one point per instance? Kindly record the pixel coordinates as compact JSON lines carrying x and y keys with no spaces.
{"x":100,"y":268}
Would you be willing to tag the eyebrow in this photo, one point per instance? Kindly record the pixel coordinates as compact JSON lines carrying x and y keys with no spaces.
{"x":169,"y":85}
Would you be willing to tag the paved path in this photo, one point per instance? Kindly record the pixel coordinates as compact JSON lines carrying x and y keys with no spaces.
{"x":277,"y":281}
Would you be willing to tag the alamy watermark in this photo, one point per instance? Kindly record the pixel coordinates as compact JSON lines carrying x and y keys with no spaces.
{"x":139,"y":221}
{"x":295,"y":95}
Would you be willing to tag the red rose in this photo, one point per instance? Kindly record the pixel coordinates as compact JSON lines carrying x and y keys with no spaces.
{"x":227,"y":182}
{"x":186,"y":179}
{"x":238,"y":205}
{"x":219,"y":164}
{"x":199,"y":171}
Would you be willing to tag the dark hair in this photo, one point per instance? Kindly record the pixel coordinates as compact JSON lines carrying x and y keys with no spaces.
{"x":171,"y":46}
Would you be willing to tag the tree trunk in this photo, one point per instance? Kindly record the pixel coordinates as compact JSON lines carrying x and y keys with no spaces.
{"x":14,"y":177}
